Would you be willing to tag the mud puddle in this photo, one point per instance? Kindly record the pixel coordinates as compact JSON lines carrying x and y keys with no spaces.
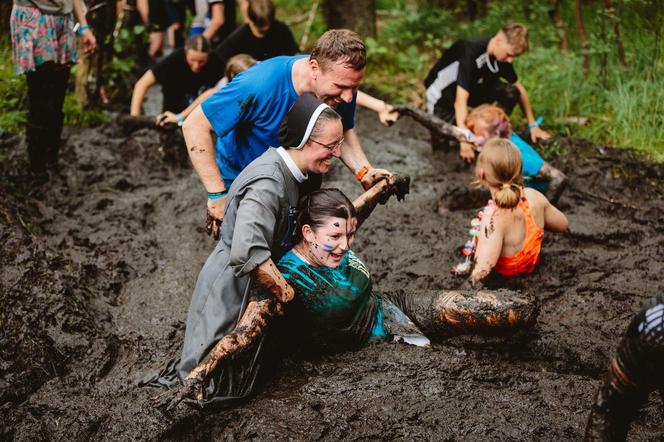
{"x":98,"y":268}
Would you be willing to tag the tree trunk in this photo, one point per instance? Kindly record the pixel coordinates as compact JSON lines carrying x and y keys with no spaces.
{"x":356,"y":15}
{"x":615,"y":18}
{"x":554,"y":14}
{"x":583,"y":35}
{"x":5,"y":13}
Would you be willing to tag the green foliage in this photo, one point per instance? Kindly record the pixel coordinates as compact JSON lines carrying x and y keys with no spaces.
{"x":624,"y":105}
{"x":80,"y":116}
{"x":13,"y":94}
{"x":119,"y":73}
{"x":14,"y":99}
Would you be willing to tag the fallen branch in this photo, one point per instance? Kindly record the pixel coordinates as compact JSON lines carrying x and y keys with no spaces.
{"x":433,"y":123}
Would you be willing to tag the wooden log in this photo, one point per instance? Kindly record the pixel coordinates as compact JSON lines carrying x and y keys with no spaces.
{"x":433,"y":123}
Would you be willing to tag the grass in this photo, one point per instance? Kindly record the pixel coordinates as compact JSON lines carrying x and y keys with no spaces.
{"x":13,"y":94}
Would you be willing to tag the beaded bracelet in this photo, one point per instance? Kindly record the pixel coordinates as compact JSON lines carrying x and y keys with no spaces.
{"x":180,"y":120}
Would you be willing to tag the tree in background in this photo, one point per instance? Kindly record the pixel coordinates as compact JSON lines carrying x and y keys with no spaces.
{"x":356,"y":15}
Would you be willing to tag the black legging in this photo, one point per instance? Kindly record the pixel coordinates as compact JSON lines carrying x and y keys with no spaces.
{"x":635,"y":371}
{"x":46,"y":94}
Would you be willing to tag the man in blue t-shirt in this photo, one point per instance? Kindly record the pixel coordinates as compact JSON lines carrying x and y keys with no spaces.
{"x":246,"y":114}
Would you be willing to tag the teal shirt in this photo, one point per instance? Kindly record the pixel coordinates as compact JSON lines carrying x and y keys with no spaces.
{"x":336,"y":304}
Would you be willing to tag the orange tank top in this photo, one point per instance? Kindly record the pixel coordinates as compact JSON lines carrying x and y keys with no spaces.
{"x":524,"y":261}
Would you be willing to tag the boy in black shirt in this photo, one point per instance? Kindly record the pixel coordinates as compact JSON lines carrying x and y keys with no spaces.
{"x":261,"y":37}
{"x":471,"y":72}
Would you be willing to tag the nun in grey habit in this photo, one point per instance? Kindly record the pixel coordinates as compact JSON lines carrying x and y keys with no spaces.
{"x":258,"y":228}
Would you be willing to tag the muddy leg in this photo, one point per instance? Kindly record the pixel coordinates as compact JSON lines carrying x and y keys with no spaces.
{"x":461,"y":312}
{"x":557,"y":181}
{"x":457,"y":312}
{"x":635,"y":371}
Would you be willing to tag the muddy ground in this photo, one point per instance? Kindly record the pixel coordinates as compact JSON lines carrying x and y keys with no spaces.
{"x":98,"y":268}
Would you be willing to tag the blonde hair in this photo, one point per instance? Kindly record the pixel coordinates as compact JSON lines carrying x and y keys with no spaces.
{"x":491,"y":118}
{"x":238,"y":63}
{"x":501,"y":161}
{"x":516,"y":35}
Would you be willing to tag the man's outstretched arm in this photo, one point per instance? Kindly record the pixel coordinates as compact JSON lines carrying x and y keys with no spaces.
{"x":198,"y":138}
{"x":355,"y":159}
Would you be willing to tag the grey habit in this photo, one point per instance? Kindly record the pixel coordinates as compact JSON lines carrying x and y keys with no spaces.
{"x":259,"y":223}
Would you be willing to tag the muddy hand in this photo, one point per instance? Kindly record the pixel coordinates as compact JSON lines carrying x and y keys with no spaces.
{"x":466,"y":152}
{"x":388,"y":116}
{"x":215,"y":216}
{"x":373,"y":176}
{"x":537,"y":133}
{"x":166,"y":118}
{"x":170,"y":399}
{"x":398,"y":185}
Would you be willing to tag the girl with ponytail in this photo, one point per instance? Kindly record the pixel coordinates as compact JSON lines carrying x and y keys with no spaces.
{"x":512,"y":227}
{"x":488,"y":121}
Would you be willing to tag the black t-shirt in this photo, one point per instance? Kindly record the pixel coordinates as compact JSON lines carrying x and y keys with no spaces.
{"x":179,"y":84}
{"x":278,"y":40}
{"x":467,"y":64}
{"x":229,"y":19}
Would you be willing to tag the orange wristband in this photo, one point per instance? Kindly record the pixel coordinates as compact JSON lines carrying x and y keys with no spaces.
{"x":362,"y":172}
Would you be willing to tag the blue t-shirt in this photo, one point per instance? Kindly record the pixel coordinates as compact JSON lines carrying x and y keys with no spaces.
{"x":532,"y":161}
{"x":246,"y":113}
{"x":337,"y":304}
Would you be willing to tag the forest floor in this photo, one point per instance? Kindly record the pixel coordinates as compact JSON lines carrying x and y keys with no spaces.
{"x":98,"y":267}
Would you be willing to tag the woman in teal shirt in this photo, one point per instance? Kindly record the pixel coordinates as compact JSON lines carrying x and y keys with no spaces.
{"x":334,"y":300}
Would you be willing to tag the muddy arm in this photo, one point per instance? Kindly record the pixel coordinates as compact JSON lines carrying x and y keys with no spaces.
{"x":268,"y":276}
{"x":433,"y":123}
{"x":380,"y":192}
{"x":131,"y":123}
{"x":249,"y":329}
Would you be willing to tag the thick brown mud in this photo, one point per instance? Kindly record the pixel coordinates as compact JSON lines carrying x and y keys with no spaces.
{"x":98,"y":267}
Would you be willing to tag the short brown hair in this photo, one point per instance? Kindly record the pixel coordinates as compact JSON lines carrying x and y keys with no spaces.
{"x":501,"y":162}
{"x":261,"y":12}
{"x":516,"y":35}
{"x":340,"y":45}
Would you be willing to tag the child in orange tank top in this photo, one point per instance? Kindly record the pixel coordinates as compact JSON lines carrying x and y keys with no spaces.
{"x":511,"y":230}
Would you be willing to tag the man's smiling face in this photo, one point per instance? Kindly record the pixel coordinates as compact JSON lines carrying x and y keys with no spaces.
{"x":335,"y":83}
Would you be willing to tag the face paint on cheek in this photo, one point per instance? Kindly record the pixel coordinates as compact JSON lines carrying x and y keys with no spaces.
{"x":327,"y":248}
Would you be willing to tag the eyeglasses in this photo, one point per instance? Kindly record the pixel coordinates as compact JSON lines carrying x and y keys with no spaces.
{"x":330,"y":146}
